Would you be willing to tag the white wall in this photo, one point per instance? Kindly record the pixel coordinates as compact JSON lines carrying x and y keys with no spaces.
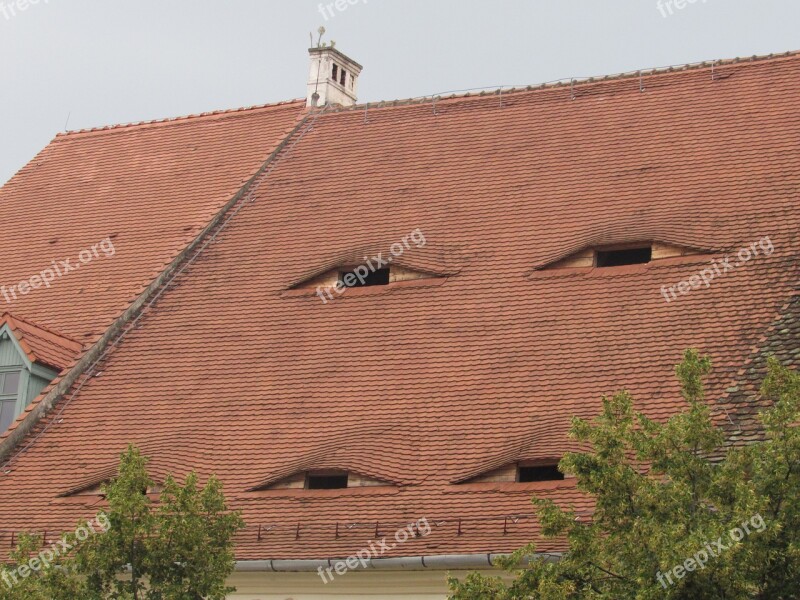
{"x":358,"y":585}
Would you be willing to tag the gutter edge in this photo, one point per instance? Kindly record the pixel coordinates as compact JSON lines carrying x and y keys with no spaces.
{"x":438,"y":562}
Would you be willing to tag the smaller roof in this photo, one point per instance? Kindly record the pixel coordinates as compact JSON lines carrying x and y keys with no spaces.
{"x":41,"y":345}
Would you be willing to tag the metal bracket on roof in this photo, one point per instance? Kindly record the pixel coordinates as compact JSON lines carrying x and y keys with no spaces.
{"x":641,"y":82}
{"x":366,"y":108}
{"x":434,"y":106}
{"x":713,"y":70}
{"x":572,"y":88}
{"x":727,"y":414}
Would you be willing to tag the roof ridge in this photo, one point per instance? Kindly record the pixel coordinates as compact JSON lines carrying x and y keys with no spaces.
{"x":176,"y":120}
{"x":497,"y":90}
{"x":484,"y":91}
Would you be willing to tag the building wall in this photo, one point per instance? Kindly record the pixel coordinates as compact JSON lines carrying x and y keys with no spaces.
{"x":35,"y":385}
{"x":9,"y":356}
{"x":356,"y":585}
{"x":30,"y":385}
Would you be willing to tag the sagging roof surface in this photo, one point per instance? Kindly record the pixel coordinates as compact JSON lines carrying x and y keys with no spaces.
{"x":425,"y":385}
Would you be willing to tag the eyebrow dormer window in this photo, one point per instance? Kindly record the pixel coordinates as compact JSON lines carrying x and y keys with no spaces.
{"x":331,"y":284}
{"x":358,"y":278}
{"x":628,"y":256}
{"x":322,"y":479}
{"x":326,"y":481}
{"x":633,"y":253}
{"x":529,"y":471}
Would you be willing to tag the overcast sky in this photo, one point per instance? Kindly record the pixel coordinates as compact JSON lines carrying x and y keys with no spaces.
{"x":115,"y":61}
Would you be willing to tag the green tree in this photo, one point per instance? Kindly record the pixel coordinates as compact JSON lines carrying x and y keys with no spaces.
{"x":54,"y":582}
{"x":671,"y":495}
{"x":179,"y":548}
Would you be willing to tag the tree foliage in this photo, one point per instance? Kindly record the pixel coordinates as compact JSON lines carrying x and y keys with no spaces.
{"x":179,"y":548}
{"x":666,"y":495}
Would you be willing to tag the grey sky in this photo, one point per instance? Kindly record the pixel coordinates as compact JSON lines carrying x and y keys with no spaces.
{"x":117,"y":61}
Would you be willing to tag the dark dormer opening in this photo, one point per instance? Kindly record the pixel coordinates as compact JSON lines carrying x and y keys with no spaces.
{"x":539,"y":473}
{"x":344,"y":77}
{"x":335,"y":75}
{"x":358,"y":277}
{"x":326,"y":481}
{"x":628,"y":256}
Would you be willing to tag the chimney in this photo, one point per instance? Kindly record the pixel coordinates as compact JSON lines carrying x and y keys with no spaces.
{"x":333,"y":77}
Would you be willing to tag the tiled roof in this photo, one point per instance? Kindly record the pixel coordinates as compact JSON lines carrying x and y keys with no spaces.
{"x":150,"y":187}
{"x":42,"y":345}
{"x":431,"y":384}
